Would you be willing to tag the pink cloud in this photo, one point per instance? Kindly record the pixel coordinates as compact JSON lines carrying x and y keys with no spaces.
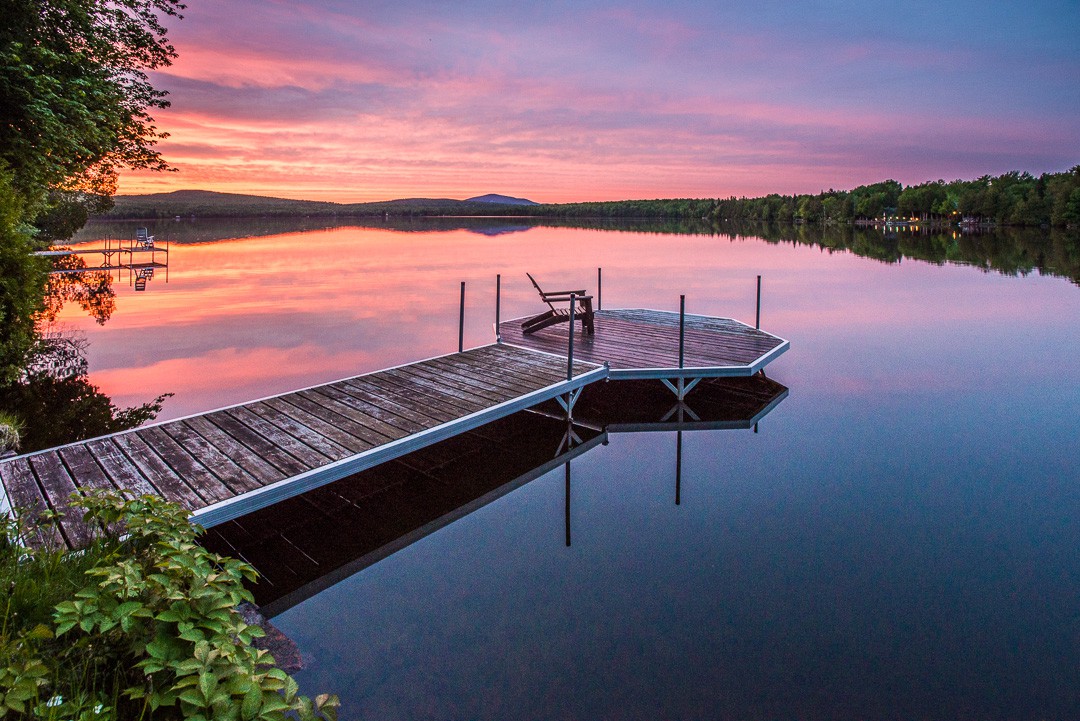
{"x":328,"y":101}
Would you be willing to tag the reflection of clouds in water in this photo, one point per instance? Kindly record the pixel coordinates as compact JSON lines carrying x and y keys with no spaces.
{"x":279,"y":311}
{"x":225,"y":376}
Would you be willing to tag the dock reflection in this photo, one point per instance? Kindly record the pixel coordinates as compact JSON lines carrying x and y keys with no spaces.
{"x":311,"y":542}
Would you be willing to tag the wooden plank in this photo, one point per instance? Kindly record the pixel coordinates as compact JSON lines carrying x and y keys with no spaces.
{"x":119,"y":468}
{"x":394,"y":412}
{"x":194,"y":474}
{"x":315,"y":416}
{"x":286,"y":464}
{"x":551,"y":363}
{"x":169,"y":485}
{"x":421,"y":406}
{"x":260,"y":471}
{"x":618,"y":353}
{"x":554,"y":364}
{"x":421,"y":386}
{"x":306,"y":456}
{"x":454,"y":386}
{"x":26,"y":497}
{"x":289,"y":423}
{"x":507,"y":378}
{"x":518,"y":370}
{"x":59,"y":487}
{"x":649,"y":339}
{"x":85,"y":469}
{"x":371,"y":421}
{"x":711,"y":332}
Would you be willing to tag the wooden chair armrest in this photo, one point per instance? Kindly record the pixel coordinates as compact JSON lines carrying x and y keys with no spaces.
{"x":564,"y":292}
{"x":549,"y":297}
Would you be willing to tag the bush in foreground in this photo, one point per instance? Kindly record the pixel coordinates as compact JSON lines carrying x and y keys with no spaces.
{"x":154,"y":635}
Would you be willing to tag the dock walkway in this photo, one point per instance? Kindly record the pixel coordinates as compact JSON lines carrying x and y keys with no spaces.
{"x":226,"y":463}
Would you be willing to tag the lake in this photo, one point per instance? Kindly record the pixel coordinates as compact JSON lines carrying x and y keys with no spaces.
{"x":896,"y":539}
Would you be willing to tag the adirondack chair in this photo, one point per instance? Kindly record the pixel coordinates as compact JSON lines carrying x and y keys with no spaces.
{"x":582,"y":309}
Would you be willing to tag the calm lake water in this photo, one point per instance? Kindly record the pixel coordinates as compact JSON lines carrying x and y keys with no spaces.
{"x":898,"y":540}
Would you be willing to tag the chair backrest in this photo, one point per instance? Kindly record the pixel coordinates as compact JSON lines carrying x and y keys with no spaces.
{"x":540,"y":291}
{"x":143,"y":237}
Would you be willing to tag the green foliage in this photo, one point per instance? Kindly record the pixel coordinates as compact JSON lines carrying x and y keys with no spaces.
{"x":11,"y":427}
{"x":155,"y":633}
{"x":1009,"y":199}
{"x":74,"y":107}
{"x":33,"y":581}
{"x":64,"y":212}
{"x":74,"y":93}
{"x":22,"y":280}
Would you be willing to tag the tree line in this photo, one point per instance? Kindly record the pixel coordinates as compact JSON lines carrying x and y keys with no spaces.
{"x":1013,"y":198}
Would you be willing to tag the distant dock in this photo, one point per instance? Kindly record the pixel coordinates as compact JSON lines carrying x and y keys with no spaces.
{"x":223,"y":464}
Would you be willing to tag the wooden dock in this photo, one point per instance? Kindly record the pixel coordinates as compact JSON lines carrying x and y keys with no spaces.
{"x":641,"y":343}
{"x":229,"y":462}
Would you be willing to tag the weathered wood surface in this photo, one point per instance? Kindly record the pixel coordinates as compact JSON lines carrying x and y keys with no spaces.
{"x":221,"y":457}
{"x":648,"y":339}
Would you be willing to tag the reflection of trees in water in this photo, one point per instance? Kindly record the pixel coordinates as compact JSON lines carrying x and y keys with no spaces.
{"x":205,"y":230}
{"x":54,"y":401}
{"x":1010,"y":251}
{"x":91,"y":289}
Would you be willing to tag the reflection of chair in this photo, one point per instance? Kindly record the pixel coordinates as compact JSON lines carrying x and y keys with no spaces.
{"x":143,"y":238}
{"x":142,"y":276}
{"x":583,"y":309}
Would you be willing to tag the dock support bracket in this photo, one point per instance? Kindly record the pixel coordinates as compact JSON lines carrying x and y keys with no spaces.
{"x":680,"y":388}
{"x":568,"y":401}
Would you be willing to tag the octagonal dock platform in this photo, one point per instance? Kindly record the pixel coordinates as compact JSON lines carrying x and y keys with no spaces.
{"x":641,"y":343}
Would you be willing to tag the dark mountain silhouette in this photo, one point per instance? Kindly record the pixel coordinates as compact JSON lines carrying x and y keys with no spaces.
{"x":210,"y":204}
{"x":502,"y":199}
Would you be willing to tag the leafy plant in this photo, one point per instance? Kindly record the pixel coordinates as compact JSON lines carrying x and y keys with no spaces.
{"x":155,"y":634}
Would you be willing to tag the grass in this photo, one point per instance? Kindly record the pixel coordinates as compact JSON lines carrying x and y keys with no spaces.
{"x":11,"y":427}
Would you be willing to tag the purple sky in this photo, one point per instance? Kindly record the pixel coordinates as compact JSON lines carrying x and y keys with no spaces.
{"x":561,"y":101}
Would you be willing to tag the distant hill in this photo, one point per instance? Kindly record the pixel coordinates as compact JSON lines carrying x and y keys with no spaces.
{"x":502,"y":199}
{"x":205,"y":203}
{"x":210,"y":204}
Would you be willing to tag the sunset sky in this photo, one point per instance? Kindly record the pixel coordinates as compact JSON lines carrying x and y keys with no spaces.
{"x":567,"y":101}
